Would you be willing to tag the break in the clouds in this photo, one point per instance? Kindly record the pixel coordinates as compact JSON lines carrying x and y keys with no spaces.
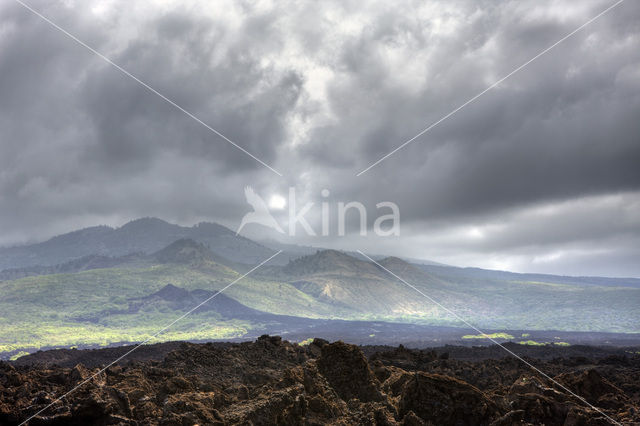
{"x":539,"y":174}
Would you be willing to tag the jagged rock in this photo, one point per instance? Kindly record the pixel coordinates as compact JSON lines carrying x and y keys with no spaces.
{"x":278,"y":407}
{"x":411,"y":419}
{"x":595,"y":389}
{"x":348,"y":372}
{"x":315,"y":347}
{"x":541,"y":402}
{"x":528,"y":384}
{"x":200,"y":407}
{"x":514,"y":417}
{"x":272,"y":381}
{"x":444,"y":400}
{"x":585,"y":417}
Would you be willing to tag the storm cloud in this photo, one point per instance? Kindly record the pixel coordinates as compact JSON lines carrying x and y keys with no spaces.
{"x":539,"y":174}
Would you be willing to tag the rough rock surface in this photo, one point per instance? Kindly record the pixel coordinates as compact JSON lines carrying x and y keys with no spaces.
{"x":272,"y":381}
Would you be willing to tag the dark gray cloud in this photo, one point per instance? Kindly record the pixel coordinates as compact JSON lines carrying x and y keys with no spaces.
{"x":534,"y":175}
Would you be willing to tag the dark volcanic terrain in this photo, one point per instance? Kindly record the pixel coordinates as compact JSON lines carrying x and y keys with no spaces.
{"x":272,"y":381}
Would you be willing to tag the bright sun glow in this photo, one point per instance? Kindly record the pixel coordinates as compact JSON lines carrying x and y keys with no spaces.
{"x":277,"y":202}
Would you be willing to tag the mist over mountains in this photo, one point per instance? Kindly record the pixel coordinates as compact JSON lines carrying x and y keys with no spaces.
{"x":97,"y":246}
{"x":145,"y":235}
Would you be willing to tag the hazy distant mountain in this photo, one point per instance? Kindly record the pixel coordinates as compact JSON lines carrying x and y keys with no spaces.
{"x":481,"y":277}
{"x":142,"y":236}
{"x":145,"y":235}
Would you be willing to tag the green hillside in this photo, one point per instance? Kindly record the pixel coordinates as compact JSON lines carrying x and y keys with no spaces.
{"x":102,"y":306}
{"x":47,"y":310}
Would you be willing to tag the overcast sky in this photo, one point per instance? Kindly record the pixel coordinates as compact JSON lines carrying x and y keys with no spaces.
{"x":540,"y":174}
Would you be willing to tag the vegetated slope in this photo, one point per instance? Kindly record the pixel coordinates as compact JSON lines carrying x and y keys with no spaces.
{"x":85,"y":263}
{"x":187,"y":251}
{"x":271,"y":381}
{"x":485,"y":303}
{"x":172,"y":298}
{"x":145,"y":235}
{"x":536,"y":301}
{"x":97,"y":306}
{"x":343,"y":280}
{"x":373,"y":292}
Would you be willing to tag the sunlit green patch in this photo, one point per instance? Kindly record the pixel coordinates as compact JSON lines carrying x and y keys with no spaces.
{"x":488,"y":336}
{"x":532,"y":343}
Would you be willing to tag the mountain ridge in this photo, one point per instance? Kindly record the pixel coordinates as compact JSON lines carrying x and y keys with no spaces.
{"x":145,"y":235}
{"x":328,"y":261}
{"x":223,"y":242}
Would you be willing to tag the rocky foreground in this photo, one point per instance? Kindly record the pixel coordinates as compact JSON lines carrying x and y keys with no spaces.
{"x":272,"y":381}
